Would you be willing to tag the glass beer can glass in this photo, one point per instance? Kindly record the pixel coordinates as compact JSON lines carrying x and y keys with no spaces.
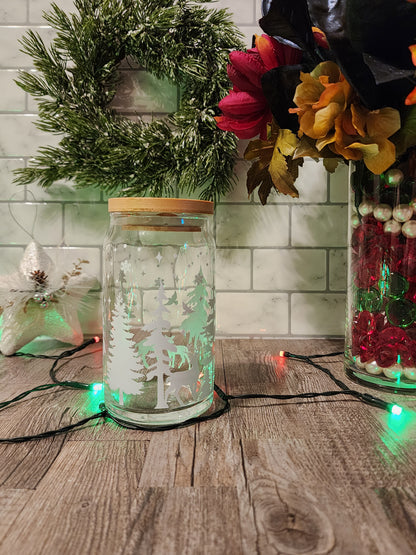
{"x":158,"y":310}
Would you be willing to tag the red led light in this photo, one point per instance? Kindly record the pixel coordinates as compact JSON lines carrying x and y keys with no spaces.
{"x":96,"y":339}
{"x":281,"y":353}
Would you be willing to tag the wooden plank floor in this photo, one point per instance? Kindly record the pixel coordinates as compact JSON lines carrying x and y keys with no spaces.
{"x":271,"y":477}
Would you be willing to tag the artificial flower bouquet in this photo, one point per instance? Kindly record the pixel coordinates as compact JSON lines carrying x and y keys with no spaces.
{"x":336,"y":81}
{"x":327,"y":81}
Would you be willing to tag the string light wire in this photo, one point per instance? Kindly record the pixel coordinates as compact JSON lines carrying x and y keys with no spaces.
{"x":224,"y":397}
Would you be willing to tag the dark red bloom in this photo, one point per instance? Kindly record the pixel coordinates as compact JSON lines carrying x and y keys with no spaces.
{"x":406,"y":353}
{"x":394,"y":342}
{"x":366,"y":322}
{"x":368,"y":344}
{"x":407,"y":267}
{"x":391,"y":336}
{"x":386,"y":356}
{"x":245,"y":110}
{"x":367,"y":275}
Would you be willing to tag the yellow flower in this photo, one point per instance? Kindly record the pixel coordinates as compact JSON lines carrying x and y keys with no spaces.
{"x":330,"y":112}
{"x":322,"y":95}
{"x":363,"y":134}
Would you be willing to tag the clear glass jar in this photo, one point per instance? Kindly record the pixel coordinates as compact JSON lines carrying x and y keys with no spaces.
{"x":381,"y":309}
{"x":159,"y":310}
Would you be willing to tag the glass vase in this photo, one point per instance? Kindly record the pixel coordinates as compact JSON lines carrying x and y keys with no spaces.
{"x":380,"y":347}
{"x":159,"y":310}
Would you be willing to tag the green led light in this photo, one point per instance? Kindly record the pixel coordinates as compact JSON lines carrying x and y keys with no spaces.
{"x":97,"y":387}
{"x":396,"y":410}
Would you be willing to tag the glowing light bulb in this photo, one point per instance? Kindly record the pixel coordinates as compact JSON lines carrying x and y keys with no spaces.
{"x":281,"y":353}
{"x":96,"y":387}
{"x":396,"y":410}
{"x":96,"y":339}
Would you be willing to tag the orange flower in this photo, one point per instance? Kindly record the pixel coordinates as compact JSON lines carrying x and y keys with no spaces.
{"x":363,"y":134}
{"x":322,"y":95}
{"x":330,"y":113}
{"x":411,"y":97}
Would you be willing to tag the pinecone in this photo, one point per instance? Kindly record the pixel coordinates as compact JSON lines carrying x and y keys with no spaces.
{"x":39,"y":277}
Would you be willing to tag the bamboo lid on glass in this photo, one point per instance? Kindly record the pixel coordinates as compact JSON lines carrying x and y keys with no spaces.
{"x":162,"y":206}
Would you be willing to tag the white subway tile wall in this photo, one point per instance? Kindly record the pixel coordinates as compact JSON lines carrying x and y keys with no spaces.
{"x":280,"y":268}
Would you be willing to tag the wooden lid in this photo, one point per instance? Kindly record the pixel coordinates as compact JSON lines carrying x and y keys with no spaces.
{"x":168,"y":206}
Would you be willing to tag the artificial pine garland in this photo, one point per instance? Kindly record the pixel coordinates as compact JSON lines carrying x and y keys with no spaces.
{"x":77,"y":77}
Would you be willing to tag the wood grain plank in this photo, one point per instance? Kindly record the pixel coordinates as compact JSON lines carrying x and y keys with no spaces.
{"x":92,"y":489}
{"x":83,"y":366}
{"x":24,"y":468}
{"x":286,"y":482}
{"x":248,"y":370}
{"x":12,"y":502}
{"x":24,"y":465}
{"x":218,"y":462}
{"x":83,"y":503}
{"x":399,"y":506}
{"x":260,"y":371}
{"x":288,"y":516}
{"x":366,"y":460}
{"x":184,"y":520}
{"x":170,"y":459}
{"x":217,"y":457}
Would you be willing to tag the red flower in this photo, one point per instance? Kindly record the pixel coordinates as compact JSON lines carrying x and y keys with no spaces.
{"x":245,"y":110}
{"x":392,"y":343}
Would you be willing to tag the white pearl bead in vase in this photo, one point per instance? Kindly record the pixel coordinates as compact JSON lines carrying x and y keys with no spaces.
{"x":394,"y":177}
{"x":409,"y":229}
{"x":402,"y":213}
{"x":373,"y":368}
{"x":382,"y":212}
{"x":366,"y":208}
{"x":359,"y":364}
{"x":355,"y":221}
{"x":392,"y":227}
{"x":393,"y":372}
{"x":410,"y":373}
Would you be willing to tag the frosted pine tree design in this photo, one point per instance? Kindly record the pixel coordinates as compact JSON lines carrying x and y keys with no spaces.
{"x":196,"y":310}
{"x":162,"y":347}
{"x":209,"y":331}
{"x":199,"y":326}
{"x":123,"y":365}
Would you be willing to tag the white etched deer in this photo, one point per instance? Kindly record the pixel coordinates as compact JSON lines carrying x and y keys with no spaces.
{"x":185,"y":378}
{"x":182,"y":352}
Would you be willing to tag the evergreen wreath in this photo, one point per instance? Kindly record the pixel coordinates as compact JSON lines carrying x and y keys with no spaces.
{"x":77,"y":78}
